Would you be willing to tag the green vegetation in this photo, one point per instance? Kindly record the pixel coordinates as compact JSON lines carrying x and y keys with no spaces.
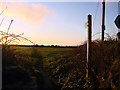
{"x":69,"y":71}
{"x":28,"y":60}
{"x":21,"y":70}
{"x":66,"y":67}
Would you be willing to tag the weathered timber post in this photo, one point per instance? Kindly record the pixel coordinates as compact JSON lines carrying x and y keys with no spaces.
{"x":103,"y":19}
{"x":89,"y":32}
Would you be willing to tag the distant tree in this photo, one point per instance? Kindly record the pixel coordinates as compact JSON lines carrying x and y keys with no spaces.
{"x":52,"y":45}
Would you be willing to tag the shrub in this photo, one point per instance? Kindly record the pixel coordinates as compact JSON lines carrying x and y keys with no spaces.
{"x":104,"y":68}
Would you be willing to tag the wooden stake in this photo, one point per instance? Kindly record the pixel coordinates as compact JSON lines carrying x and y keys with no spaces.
{"x":89,"y":31}
{"x":103,"y":19}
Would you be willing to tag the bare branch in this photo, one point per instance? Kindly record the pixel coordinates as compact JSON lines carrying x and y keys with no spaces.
{"x":3,"y":11}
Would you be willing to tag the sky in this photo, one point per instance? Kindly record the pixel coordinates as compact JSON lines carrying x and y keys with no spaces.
{"x":57,"y":23}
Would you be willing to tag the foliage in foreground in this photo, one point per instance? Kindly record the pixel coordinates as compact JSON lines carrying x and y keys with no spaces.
{"x":69,"y":71}
{"x":19,"y":71}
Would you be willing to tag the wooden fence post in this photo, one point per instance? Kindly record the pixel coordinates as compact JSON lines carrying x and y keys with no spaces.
{"x":89,"y":31}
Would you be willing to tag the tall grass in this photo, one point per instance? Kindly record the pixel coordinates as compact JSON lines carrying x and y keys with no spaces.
{"x":69,"y":71}
{"x":20,"y":70}
{"x":17,"y":70}
{"x":104,"y":56}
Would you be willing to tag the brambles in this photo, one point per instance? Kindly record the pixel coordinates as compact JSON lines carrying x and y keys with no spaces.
{"x":17,"y":71}
{"x":68,"y":71}
{"x":66,"y":67}
{"x":104,"y":56}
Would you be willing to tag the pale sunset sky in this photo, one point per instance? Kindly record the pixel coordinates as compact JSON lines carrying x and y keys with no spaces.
{"x":57,"y":23}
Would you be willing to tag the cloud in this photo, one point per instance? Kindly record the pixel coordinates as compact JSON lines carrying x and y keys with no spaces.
{"x":50,"y":24}
{"x":34,"y":14}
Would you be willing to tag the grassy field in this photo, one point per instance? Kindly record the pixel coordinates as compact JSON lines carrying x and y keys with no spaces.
{"x":46,"y":54}
{"x":66,"y":67}
{"x":44,"y":51}
{"x":50,"y":57}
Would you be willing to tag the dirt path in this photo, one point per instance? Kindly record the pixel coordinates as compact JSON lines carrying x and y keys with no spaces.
{"x":46,"y":81}
{"x":33,"y":84}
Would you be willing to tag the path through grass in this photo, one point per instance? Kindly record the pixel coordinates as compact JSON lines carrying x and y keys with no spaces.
{"x":42,"y":58}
